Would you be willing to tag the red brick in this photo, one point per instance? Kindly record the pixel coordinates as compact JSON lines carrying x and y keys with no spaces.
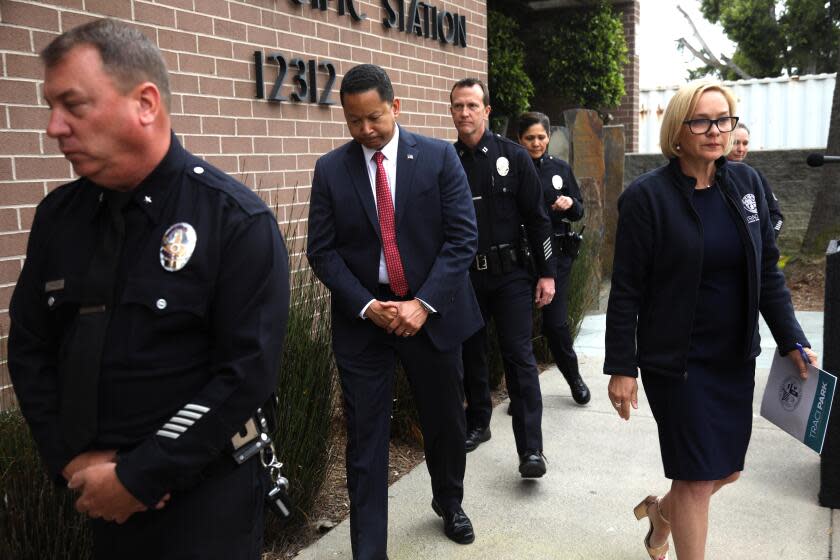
{"x":186,"y":124}
{"x":235,"y":69}
{"x":22,"y":66}
{"x":12,"y":244}
{"x":247,"y":14}
{"x":236,"y":145}
{"x":252,"y":163}
{"x":225,"y":163}
{"x":218,"y":125}
{"x":281,"y":128}
{"x":27,"y":215}
{"x":245,"y":90}
{"x":201,"y":105}
{"x":235,"y":107}
{"x":75,"y":4}
{"x":290,"y":41}
{"x":9,"y":271}
{"x":183,"y":4}
{"x":9,"y":221}
{"x":213,"y":7}
{"x":350,"y":37}
{"x":14,"y":38}
{"x":40,"y":39}
{"x":201,"y":145}
{"x":229,"y":29}
{"x":4,"y":327}
{"x":176,"y":41}
{"x":295,"y":145}
{"x":170,"y":59}
{"x":196,"y":64}
{"x":261,"y":36}
{"x":19,"y":143}
{"x":210,"y":46}
{"x":41,"y":168}
{"x":276,"y":20}
{"x":121,"y":10}
{"x":251,"y":127}
{"x":216,"y":87}
{"x":22,"y":13}
{"x":183,"y":83}
{"x":5,"y":173}
{"x":282,"y":162}
{"x":268,"y":145}
{"x":19,"y":92}
{"x":194,"y":22}
{"x":153,"y":14}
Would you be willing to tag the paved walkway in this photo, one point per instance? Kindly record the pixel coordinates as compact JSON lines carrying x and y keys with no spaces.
{"x":599,"y":468}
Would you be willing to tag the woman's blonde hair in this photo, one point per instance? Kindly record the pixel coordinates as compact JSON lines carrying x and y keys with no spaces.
{"x":682,"y":106}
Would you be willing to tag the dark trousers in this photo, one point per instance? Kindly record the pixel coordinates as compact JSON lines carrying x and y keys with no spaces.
{"x":555,"y":321}
{"x":220,"y":519}
{"x":367,"y":384}
{"x":508,"y":300}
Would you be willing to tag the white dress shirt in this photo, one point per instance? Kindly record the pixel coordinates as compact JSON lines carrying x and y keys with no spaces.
{"x":389,"y":162}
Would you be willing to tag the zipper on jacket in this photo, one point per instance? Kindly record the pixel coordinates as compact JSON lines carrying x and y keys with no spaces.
{"x":752,"y":273}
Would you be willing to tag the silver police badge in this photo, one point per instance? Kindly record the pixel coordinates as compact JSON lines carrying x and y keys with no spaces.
{"x":557,"y":181}
{"x":503,"y":166}
{"x":177,"y":246}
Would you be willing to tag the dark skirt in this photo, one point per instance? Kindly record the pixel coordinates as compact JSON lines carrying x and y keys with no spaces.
{"x":704,"y":420}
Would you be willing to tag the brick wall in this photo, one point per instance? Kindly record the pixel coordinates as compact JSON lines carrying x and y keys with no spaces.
{"x":628,"y":112}
{"x":209,"y":48}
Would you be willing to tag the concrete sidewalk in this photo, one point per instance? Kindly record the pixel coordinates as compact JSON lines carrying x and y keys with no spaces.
{"x":599,"y":468}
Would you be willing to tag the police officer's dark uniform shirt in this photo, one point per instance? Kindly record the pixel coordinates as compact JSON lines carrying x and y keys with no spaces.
{"x":507,"y":193}
{"x":190,"y":352}
{"x":557,"y":179}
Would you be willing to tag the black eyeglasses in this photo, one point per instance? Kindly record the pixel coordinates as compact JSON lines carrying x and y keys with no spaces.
{"x":702,"y":126}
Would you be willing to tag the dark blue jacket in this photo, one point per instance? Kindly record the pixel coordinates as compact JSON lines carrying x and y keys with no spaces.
{"x":659,"y":261}
{"x":436,"y":235}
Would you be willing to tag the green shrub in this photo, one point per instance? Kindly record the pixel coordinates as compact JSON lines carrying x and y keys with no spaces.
{"x":37,"y":518}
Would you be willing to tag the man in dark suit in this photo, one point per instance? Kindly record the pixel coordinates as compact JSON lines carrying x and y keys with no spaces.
{"x":392,"y":233}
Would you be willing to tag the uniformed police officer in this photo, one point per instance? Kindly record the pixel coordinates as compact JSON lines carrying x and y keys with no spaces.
{"x":507,"y":193}
{"x":565,"y":205}
{"x":148,"y":320}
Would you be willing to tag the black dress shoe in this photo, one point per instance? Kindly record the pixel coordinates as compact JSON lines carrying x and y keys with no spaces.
{"x":531,"y":464}
{"x":580,"y":392}
{"x":456,"y":525}
{"x":475,"y":437}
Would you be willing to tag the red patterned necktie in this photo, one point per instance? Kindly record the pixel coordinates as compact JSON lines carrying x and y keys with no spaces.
{"x":385,"y":206}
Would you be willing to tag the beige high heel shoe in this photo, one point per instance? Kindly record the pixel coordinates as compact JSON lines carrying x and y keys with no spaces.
{"x":641,"y":511}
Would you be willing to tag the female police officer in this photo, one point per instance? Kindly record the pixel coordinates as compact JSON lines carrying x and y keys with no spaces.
{"x":565,"y":205}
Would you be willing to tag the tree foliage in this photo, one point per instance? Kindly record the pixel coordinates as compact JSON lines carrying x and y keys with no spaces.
{"x":794,"y":36}
{"x":510,"y":87}
{"x":580,"y":55}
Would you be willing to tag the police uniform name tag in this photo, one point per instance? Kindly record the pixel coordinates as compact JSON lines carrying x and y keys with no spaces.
{"x":177,"y":246}
{"x":502,"y":166}
{"x":557,"y":182}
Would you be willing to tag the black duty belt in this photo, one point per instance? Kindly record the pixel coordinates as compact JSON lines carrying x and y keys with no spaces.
{"x":499,"y":259}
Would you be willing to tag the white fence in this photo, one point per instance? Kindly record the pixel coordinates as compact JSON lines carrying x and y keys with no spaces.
{"x":781,"y":113}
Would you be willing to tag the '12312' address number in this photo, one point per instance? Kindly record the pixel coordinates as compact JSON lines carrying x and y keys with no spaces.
{"x":304,"y":79}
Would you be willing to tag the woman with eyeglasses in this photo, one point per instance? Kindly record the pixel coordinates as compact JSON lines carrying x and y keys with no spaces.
{"x":564,"y":205}
{"x":695,"y":262}
{"x":740,"y":148}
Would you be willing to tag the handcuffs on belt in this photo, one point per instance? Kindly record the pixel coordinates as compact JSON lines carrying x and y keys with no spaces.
{"x":256,"y":440}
